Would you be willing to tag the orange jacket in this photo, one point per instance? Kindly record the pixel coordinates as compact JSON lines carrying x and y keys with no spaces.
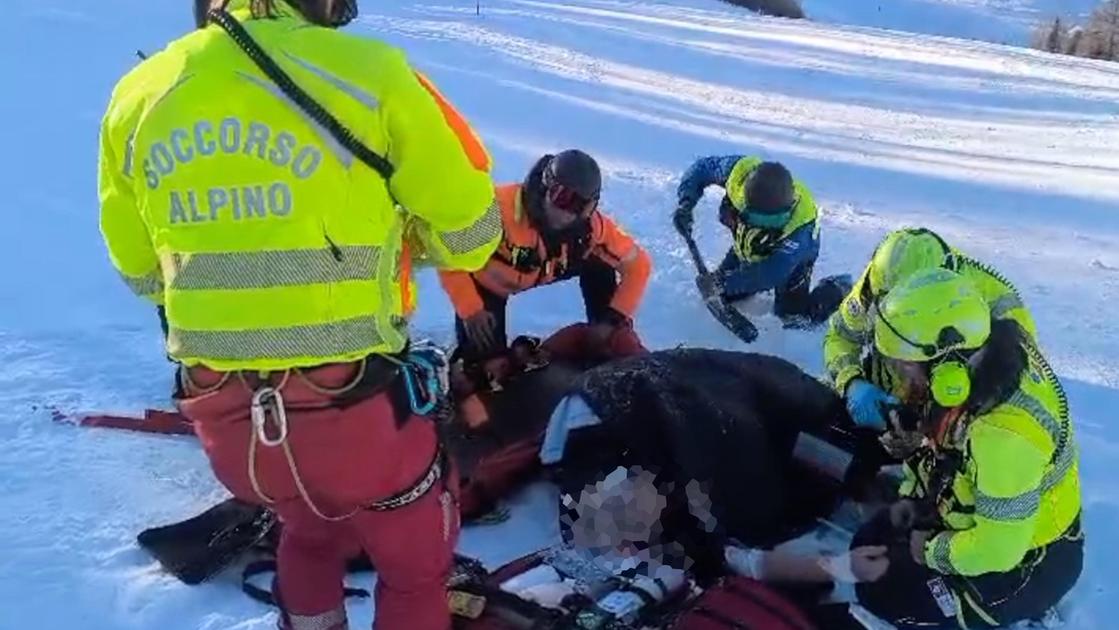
{"x":523,"y":243}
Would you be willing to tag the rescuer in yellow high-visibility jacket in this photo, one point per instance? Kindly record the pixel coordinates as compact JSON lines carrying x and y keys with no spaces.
{"x":899,"y":255}
{"x":987,"y":532}
{"x":268,"y":242}
{"x":284,"y":263}
{"x":991,"y":504}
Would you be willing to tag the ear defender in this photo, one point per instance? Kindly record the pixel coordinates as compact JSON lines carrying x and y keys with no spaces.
{"x":950,"y":383}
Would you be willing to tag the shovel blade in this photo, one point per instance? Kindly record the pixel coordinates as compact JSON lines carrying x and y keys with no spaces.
{"x":734,"y":321}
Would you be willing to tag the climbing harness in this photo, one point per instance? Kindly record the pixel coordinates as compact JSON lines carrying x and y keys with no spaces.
{"x":425,"y":376}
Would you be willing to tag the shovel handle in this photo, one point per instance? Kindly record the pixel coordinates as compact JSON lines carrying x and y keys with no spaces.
{"x":693,"y":249}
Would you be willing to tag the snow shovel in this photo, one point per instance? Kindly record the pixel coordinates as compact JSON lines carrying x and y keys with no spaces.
{"x":723,"y":312}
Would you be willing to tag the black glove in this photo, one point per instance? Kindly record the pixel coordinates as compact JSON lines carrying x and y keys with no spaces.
{"x":481,"y":331}
{"x":728,"y":214}
{"x":683,"y":217}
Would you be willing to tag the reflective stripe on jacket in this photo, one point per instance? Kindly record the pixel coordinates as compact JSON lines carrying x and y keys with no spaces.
{"x":1018,"y":486}
{"x":269,"y":243}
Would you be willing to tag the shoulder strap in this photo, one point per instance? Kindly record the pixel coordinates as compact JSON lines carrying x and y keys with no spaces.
{"x":305,"y":102}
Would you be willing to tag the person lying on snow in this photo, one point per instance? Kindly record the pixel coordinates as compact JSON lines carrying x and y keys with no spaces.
{"x":728,"y":419}
{"x":900,"y":254}
{"x":774,"y":224}
{"x":502,"y":407}
{"x":292,"y":339}
{"x":988,"y":530}
{"x":717,"y":430}
{"x":553,"y":230}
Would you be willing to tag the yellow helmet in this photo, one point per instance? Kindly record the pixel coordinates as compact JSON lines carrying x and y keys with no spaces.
{"x":931,"y":313}
{"x":904,"y":252}
{"x":933,"y":317}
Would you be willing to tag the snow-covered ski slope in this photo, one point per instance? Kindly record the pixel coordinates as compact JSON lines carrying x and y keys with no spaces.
{"x":1009,"y":153}
{"x":1002,"y":21}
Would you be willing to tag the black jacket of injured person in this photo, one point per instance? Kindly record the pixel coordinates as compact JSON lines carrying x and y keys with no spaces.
{"x":723,"y":423}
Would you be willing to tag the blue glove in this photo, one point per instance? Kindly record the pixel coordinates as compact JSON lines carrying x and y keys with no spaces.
{"x":865,"y":401}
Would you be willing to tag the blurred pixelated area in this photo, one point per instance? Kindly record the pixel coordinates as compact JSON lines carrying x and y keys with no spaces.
{"x":631,"y":518}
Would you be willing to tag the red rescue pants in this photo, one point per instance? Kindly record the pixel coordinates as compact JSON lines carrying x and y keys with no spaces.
{"x":346,"y":458}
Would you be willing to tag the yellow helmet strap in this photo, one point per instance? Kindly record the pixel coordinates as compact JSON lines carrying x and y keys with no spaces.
{"x":928,"y":349}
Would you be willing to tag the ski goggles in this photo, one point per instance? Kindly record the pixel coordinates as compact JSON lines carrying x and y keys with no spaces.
{"x":568,"y":199}
{"x":769,"y":219}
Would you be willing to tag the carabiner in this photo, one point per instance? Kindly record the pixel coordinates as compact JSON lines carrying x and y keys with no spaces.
{"x":437,"y":359}
{"x":267,"y":399}
{"x":431,"y":385}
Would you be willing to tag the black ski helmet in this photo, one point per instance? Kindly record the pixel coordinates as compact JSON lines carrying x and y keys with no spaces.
{"x":344,"y":12}
{"x":337,"y":14}
{"x":769,"y":189}
{"x":576,"y":171}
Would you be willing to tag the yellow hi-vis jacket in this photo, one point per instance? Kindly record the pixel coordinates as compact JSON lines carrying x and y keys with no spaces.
{"x":270,"y":244}
{"x":1018,"y":487}
{"x":850,"y":328}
